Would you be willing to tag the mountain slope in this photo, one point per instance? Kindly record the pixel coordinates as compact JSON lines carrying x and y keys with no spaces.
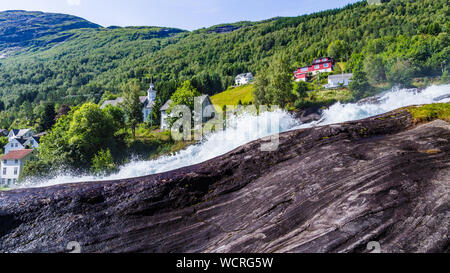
{"x":33,"y":28}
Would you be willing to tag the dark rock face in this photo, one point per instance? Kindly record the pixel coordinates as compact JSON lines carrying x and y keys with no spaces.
{"x":224,"y":29}
{"x":326,"y":189}
{"x":309,"y":115}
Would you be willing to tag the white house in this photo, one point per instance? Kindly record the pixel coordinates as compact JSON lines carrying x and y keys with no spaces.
{"x":208,"y":111}
{"x":12,"y":164}
{"x":147,"y":102}
{"x":164,"y":124}
{"x":17,"y":151}
{"x":22,"y":143}
{"x":334,"y":81}
{"x":244,"y":78}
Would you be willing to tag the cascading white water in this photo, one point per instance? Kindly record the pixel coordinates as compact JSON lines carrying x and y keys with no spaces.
{"x":388,"y":101}
{"x":246,"y":128}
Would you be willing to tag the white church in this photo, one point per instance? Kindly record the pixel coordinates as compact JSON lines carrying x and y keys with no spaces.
{"x":147,"y":102}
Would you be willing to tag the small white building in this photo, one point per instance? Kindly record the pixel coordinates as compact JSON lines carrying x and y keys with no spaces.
{"x":164,"y":124}
{"x":208,"y":111}
{"x":244,"y":78}
{"x":335,"y":81}
{"x":11,"y":166}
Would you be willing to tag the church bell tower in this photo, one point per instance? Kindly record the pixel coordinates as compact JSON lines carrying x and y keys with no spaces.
{"x":151,"y":93}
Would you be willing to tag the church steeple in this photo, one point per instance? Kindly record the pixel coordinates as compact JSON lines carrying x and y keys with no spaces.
{"x":151,"y":93}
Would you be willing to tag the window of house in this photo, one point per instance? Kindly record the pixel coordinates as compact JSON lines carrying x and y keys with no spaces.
{"x":16,"y":161}
{"x":5,"y":161}
{"x":326,"y":65}
{"x":9,"y":182}
{"x":15,"y":180}
{"x":16,"y":170}
{"x":3,"y":181}
{"x":316,"y":66}
{"x":4,"y":171}
{"x":304,"y":69}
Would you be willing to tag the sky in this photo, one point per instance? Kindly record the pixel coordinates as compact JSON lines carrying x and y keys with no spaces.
{"x":184,"y":14}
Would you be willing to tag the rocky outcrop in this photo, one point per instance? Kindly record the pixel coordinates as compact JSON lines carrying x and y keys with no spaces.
{"x":224,"y":29}
{"x":309,"y":114}
{"x":326,"y":189}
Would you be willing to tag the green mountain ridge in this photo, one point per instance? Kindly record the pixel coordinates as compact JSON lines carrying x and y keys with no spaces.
{"x":19,"y":28}
{"x":92,"y":61}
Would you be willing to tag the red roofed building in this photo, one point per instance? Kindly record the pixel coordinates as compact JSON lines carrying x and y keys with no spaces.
{"x":12,"y":164}
{"x":321,"y":65}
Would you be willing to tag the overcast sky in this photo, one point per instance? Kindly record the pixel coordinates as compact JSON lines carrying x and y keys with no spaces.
{"x":185,"y":14}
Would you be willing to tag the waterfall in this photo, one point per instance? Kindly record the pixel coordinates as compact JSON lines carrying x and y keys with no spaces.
{"x":247,"y":127}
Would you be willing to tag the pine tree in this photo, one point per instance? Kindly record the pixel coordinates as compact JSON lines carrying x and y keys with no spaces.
{"x":360,"y":84}
{"x":48,"y":117}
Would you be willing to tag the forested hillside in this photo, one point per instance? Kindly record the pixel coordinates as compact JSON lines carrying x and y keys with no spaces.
{"x":37,"y":29}
{"x":93,"y":61}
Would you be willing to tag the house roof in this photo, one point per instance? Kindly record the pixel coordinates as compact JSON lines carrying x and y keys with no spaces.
{"x":23,"y":132}
{"x":36,"y":138}
{"x":116,"y":102}
{"x":340,"y":77}
{"x":142,"y":99}
{"x":112,"y":102}
{"x":245,"y":75}
{"x":166,"y":105}
{"x":19,"y":154}
{"x":322,"y":60}
{"x":21,"y":140}
{"x":204,"y":97}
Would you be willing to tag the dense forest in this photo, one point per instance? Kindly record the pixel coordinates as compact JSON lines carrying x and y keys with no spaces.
{"x":375,"y":41}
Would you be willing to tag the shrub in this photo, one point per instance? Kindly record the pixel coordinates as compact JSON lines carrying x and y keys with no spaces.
{"x":103,"y":163}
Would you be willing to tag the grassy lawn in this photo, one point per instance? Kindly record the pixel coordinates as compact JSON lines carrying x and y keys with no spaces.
{"x":323,"y":98}
{"x":151,"y":144}
{"x":232,"y":96}
{"x":342,"y":95}
{"x":431,"y":112}
{"x":4,"y":189}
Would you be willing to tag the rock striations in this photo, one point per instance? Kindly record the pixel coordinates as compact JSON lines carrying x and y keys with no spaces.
{"x":326,"y":189}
